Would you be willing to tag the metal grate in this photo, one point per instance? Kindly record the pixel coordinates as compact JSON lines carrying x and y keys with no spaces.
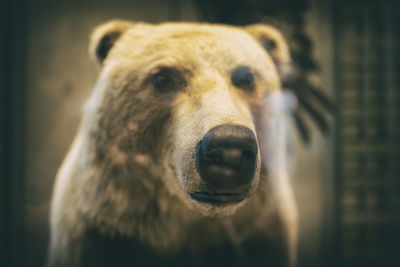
{"x":368,"y":93}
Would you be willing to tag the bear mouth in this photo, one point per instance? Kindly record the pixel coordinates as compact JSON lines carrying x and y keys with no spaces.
{"x":218,"y":198}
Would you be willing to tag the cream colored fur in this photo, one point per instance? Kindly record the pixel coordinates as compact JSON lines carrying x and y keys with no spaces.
{"x":85,"y":190}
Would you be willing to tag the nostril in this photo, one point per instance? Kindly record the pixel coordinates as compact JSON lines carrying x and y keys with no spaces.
{"x":247,"y":154}
{"x":215,"y":157}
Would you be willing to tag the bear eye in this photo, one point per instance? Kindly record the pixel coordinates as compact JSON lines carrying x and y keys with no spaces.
{"x":242,"y":77}
{"x":167,"y":79}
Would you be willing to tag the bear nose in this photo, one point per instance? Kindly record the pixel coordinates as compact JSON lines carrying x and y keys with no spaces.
{"x":227,"y":156}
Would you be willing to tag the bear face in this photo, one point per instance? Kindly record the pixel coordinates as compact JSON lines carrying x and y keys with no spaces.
{"x":167,"y":90}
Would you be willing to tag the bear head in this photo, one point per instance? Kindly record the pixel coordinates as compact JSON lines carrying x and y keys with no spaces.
{"x":186,"y":97}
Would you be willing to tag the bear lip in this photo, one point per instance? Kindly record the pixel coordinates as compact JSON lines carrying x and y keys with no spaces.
{"x":218,"y":198}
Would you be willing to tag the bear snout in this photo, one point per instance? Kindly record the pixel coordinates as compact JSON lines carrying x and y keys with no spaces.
{"x":226,"y":159}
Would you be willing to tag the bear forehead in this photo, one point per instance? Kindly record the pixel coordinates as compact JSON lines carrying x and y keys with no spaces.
{"x":191,"y":44}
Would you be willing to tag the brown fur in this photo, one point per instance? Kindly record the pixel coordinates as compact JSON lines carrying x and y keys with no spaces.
{"x":123,"y":188}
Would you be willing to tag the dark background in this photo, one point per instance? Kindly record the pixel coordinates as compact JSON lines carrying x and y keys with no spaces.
{"x":346,"y":182}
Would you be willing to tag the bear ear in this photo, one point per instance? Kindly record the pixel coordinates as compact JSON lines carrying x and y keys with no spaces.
{"x":275,"y":44}
{"x":104,"y":37}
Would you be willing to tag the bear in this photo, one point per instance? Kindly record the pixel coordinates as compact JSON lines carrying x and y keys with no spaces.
{"x":170,"y":165}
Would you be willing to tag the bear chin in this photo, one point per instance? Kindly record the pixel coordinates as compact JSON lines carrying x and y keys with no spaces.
{"x":226,"y":209}
{"x":223,"y":204}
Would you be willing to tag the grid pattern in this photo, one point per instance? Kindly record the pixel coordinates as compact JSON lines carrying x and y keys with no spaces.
{"x":368,"y":95}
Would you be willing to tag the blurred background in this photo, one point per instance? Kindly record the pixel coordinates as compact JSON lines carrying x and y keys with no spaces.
{"x":346,"y":175}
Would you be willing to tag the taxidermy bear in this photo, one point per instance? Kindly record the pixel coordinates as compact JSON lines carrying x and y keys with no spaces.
{"x":172,"y":164}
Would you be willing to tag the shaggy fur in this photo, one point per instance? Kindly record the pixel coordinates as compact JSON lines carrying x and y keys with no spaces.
{"x":121,"y":197}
